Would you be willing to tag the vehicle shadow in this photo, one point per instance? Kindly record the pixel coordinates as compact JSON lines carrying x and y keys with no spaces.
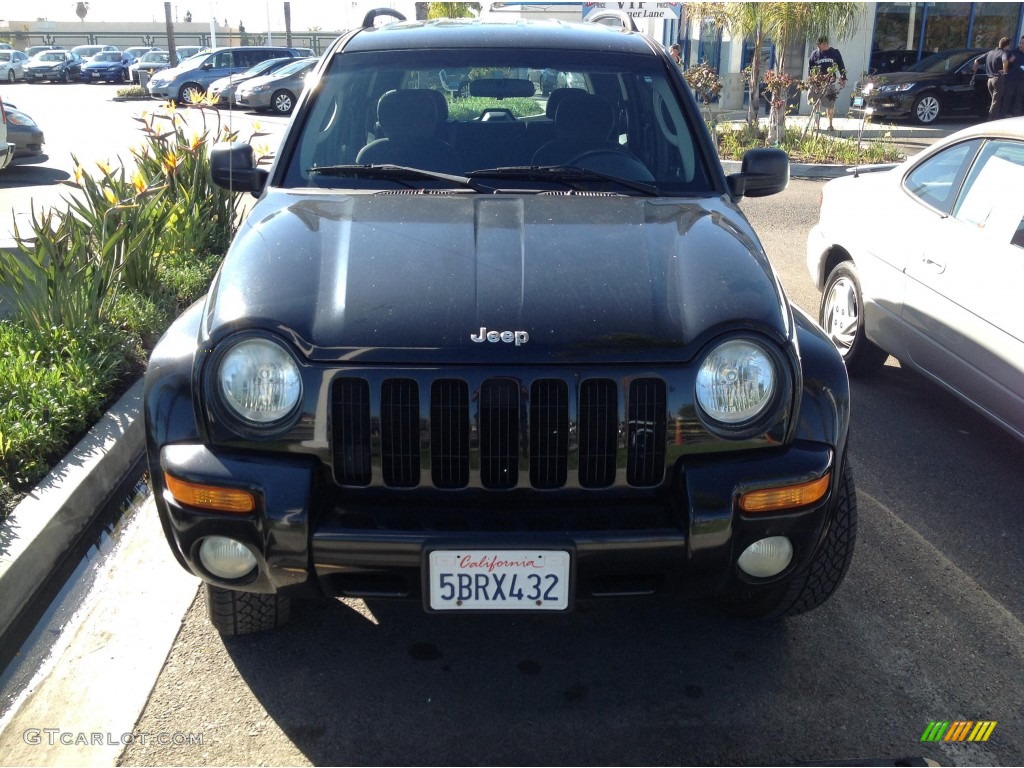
{"x":32,"y":171}
{"x":945,"y":470}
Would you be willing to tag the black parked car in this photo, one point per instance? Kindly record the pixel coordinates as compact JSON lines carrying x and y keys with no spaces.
{"x":487,"y":359}
{"x":941,"y":85}
{"x":55,"y":66}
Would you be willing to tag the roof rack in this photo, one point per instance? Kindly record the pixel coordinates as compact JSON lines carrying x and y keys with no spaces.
{"x":371,"y":16}
{"x":610,"y":17}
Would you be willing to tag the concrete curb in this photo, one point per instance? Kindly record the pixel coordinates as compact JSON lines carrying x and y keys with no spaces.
{"x":35,"y":539}
{"x":798,"y":170}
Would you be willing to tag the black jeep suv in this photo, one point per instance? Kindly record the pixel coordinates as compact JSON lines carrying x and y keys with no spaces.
{"x":505,"y":351}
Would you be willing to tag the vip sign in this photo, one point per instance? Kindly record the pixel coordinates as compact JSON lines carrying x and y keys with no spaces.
{"x":638,"y":10}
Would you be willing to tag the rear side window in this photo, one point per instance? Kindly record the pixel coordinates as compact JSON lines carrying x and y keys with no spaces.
{"x":937,"y":180}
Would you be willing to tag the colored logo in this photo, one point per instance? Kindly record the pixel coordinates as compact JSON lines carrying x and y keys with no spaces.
{"x":958,"y":730}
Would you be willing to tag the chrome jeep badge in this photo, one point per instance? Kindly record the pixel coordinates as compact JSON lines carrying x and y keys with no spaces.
{"x":509,"y":337}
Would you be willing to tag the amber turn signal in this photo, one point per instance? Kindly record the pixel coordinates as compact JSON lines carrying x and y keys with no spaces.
{"x":786,"y":497}
{"x":210,"y":496}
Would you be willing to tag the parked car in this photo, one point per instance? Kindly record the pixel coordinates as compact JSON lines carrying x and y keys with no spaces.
{"x":12,"y":65}
{"x":6,"y":146}
{"x":106,"y":66}
{"x":183,"y":52}
{"x":151,"y":62}
{"x":941,"y":85}
{"x":54,"y":66}
{"x":223,"y":91}
{"x":86,"y":52}
{"x":136,"y":52}
{"x":192,"y":76}
{"x":882,"y":62}
{"x":277,"y":91}
{"x":530,"y":364}
{"x":24,"y":133}
{"x":32,"y":50}
{"x":933,"y":278}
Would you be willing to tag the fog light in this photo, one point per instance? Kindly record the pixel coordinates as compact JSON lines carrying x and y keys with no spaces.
{"x":226,"y":558}
{"x":767,"y":557}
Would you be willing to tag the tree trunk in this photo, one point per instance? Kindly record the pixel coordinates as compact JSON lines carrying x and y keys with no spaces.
{"x":754,"y":102}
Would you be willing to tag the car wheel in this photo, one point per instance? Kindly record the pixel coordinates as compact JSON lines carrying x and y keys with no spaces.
{"x":464,"y":90}
{"x":242,"y":613}
{"x":65,"y":76}
{"x":190,"y":93}
{"x":814,"y":583}
{"x":282,"y":102}
{"x":927,"y":108}
{"x":842,"y":317}
{"x":10,"y":76}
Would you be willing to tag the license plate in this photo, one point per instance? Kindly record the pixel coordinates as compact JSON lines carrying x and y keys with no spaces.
{"x":858,"y":101}
{"x":499,"y":579}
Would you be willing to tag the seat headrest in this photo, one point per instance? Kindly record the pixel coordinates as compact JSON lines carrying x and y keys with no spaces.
{"x":583,"y":115}
{"x":554,"y":99}
{"x":409,"y":113}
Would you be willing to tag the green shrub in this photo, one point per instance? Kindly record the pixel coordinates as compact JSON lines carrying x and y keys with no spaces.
{"x":472,"y":107}
{"x":813,"y":147}
{"x":98,"y":281}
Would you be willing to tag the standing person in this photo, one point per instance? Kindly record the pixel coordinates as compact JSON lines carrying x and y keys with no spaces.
{"x":677,"y":53}
{"x":997,"y":64}
{"x":1013,"y":101}
{"x":827,"y":61}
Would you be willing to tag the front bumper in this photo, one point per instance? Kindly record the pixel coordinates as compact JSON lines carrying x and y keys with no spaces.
{"x":311,"y":538}
{"x":889,"y":104}
{"x":108,"y":76}
{"x":260,"y":100}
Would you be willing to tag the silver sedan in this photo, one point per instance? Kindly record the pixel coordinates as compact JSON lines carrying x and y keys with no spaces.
{"x":925,"y":261}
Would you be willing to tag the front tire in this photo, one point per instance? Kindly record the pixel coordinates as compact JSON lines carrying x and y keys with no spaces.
{"x":842,"y":317}
{"x":11,"y":76}
{"x":927,"y":108}
{"x":242,"y":613}
{"x":282,"y":102}
{"x":819,"y":579}
{"x":190,"y":93}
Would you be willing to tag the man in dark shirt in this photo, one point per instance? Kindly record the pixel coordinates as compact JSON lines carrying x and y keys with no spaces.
{"x":1013,"y":101}
{"x":997,"y":64}
{"x":827,"y":62}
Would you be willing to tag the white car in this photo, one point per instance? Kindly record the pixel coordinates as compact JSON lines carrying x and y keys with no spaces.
{"x":12,"y":65}
{"x":925,"y":261}
{"x":6,"y":147}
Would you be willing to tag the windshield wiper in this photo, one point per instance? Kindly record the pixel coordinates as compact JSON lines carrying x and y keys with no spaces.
{"x":566,"y":174}
{"x":400,"y":173}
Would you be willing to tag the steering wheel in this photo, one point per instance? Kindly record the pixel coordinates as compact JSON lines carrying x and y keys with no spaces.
{"x":614,"y":162}
{"x":497,"y":113}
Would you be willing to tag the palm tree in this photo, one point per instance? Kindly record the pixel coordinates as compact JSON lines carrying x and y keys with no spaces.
{"x":452,"y":10}
{"x":81,"y":9}
{"x":782,"y":23}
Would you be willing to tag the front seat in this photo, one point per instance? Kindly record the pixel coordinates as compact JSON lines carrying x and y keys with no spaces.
{"x":583,"y":123}
{"x":410,"y":122}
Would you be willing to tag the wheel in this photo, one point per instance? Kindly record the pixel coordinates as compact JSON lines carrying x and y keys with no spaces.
{"x":842,"y":317}
{"x":927,"y":108}
{"x":10,"y":75}
{"x":242,"y":613}
{"x":190,"y":93}
{"x":282,"y":102}
{"x":65,"y":76}
{"x":464,"y":90}
{"x":814,"y":584}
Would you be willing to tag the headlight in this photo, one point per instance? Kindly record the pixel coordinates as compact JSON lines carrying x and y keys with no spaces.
{"x":259,"y":89}
{"x":896,"y":87}
{"x":259,"y":381}
{"x":736,"y":382}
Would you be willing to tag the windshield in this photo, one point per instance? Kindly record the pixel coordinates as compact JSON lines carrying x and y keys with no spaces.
{"x":160,"y":58}
{"x":463,"y":112}
{"x":296,"y":66}
{"x":51,"y":57}
{"x":942,"y":62}
{"x":107,"y":56}
{"x":5,"y":55}
{"x":263,"y":66}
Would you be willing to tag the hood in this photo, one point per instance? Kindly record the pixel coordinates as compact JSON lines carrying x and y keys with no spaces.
{"x":894,"y":78}
{"x":469,"y":278}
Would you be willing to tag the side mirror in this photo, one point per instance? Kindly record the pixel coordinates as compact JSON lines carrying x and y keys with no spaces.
{"x":233,"y":166}
{"x":764,"y":172}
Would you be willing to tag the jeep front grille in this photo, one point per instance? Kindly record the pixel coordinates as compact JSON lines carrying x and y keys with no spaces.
{"x":498,"y":433}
